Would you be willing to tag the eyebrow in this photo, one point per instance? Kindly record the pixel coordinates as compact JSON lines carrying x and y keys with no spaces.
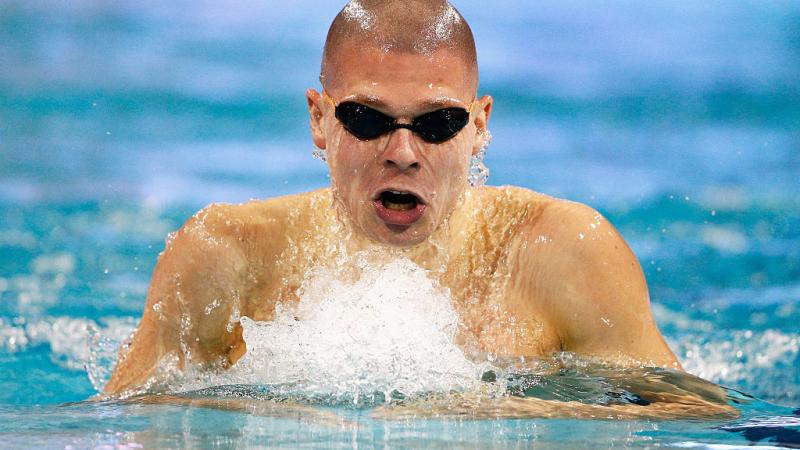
{"x":375,"y":101}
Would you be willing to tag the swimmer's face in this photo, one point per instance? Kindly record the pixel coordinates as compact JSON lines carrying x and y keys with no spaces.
{"x":397,"y":189}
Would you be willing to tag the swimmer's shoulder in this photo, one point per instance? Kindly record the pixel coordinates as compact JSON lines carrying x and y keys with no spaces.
{"x":256,"y":224}
{"x":538,"y":212}
{"x":275,"y":212}
{"x":570,"y":236}
{"x":507,"y":194}
{"x":510,"y":204}
{"x":580,"y":271}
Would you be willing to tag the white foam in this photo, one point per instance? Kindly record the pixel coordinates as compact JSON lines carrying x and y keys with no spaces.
{"x":391,"y":330}
{"x":12,"y":338}
{"x":744,"y":359}
{"x":70,"y":339}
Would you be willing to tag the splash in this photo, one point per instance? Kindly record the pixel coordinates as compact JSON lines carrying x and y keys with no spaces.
{"x":744,"y":359}
{"x":391,"y":332}
{"x":75,"y":343}
{"x":478,"y":173}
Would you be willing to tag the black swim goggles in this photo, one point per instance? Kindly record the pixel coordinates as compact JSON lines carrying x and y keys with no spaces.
{"x":367,"y":123}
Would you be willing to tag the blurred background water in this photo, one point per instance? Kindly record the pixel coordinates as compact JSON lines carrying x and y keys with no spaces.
{"x":680,"y":121}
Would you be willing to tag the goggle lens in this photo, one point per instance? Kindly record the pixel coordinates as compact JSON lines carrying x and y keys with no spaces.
{"x":367,"y":123}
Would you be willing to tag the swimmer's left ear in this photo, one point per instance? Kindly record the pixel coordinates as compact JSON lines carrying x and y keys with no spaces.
{"x":482,"y":111}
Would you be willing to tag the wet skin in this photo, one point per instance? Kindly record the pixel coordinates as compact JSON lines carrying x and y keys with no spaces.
{"x":530,"y":275}
{"x":400,"y":86}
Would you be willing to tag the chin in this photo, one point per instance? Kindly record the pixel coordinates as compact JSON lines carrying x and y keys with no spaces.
{"x":399,"y":236}
{"x":369,"y":225}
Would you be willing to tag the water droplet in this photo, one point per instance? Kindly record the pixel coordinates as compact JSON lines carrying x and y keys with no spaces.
{"x":320,"y":154}
{"x":212,"y":306}
{"x":478,"y":172}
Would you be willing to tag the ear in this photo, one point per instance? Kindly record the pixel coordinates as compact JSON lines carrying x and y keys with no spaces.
{"x":481,"y":121}
{"x":315,"y":101}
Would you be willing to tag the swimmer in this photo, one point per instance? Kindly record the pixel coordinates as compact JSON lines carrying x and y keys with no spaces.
{"x":399,"y":121}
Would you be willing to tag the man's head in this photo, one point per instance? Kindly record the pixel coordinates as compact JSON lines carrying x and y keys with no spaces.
{"x":413,"y":27}
{"x":404,"y":59}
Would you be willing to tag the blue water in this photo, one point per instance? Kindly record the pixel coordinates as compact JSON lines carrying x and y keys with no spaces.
{"x":680,"y":122}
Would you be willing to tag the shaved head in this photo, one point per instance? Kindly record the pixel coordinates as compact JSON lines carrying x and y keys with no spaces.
{"x":420,"y":27}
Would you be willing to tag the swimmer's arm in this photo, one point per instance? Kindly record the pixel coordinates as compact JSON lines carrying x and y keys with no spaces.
{"x":595,"y":291}
{"x":512,"y":407}
{"x":188,"y":314}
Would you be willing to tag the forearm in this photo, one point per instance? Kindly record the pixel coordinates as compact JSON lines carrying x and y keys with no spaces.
{"x":511,"y":407}
{"x":136,"y":364}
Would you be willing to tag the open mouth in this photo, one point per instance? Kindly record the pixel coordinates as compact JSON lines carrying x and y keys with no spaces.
{"x":398,"y":201}
{"x":398,"y":207}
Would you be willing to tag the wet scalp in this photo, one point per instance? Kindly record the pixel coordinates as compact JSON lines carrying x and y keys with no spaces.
{"x":419,"y":27}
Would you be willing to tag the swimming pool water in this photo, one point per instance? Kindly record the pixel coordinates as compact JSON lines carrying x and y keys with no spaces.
{"x":680,"y":123}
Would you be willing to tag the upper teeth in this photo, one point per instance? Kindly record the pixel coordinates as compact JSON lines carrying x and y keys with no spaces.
{"x":397,"y":192}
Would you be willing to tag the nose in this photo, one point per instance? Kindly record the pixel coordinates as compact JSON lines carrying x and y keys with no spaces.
{"x":400,"y":151}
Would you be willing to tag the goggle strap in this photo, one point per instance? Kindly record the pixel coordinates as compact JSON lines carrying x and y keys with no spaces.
{"x":327,"y":97}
